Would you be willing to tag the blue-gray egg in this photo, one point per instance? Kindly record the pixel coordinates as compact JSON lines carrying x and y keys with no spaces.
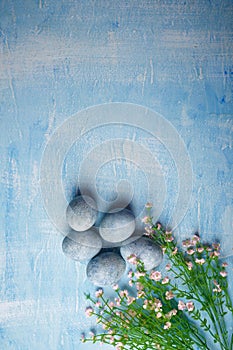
{"x":146,"y":250}
{"x":81,"y":213}
{"x":106,"y":269}
{"x":116,"y":227}
{"x":81,"y":246}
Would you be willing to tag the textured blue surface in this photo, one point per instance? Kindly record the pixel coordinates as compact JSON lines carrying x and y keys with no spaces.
{"x":57,"y":58}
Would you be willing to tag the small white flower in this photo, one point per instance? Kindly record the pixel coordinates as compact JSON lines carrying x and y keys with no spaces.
{"x":181,"y":305}
{"x":148,"y":205}
{"x":169,"y":295}
{"x":165,"y":280}
{"x":200,"y":261}
{"x":167,"y":325}
{"x":89,"y":311}
{"x":223,"y":273}
{"x":99,"y":293}
{"x":190,"y":305}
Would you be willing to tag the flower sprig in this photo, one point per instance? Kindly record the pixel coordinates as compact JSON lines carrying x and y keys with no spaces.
{"x":174,"y":309}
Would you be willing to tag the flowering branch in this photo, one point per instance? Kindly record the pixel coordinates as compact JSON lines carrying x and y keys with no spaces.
{"x":174,"y":311}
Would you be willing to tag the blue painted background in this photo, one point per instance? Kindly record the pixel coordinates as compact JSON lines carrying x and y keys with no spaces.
{"x":59,"y":57}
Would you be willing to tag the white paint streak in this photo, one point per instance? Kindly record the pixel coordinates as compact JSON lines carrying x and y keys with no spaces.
{"x":77,"y":269}
{"x":52,"y":115}
{"x":151,"y":72}
{"x":41,"y":52}
{"x":10,"y":83}
{"x":200,"y":73}
{"x":13,"y":180}
{"x":25,"y":310}
{"x":144,"y":80}
{"x":35,"y":186}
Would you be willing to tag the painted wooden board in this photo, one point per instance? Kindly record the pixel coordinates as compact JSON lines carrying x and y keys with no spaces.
{"x":172,"y":58}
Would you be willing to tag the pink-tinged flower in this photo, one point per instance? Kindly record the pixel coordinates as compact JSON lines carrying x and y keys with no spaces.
{"x":111,"y":304}
{"x":141,"y":294}
{"x":200,"y":261}
{"x":119,"y":346}
{"x":82,"y":338}
{"x":167,"y":325}
{"x":216,"y":246}
{"x":124,"y":293}
{"x":118,"y":301}
{"x":190,"y":306}
{"x":190,"y":265}
{"x":139,"y":274}
{"x":111,"y":339}
{"x":164,"y":250}
{"x":171,"y":313}
{"x":181,"y":305}
{"x":139,"y":286}
{"x":169,"y":237}
{"x":149,"y":230}
{"x":159,"y":315}
{"x":214,"y":254}
{"x":175,"y":251}
{"x":200,"y":249}
{"x":158,"y":304}
{"x":169,"y":295}
{"x":148,"y":205}
{"x":225,"y":264}
{"x":130,"y":300}
{"x":165,"y":280}
{"x":158,"y":226}
{"x":155,"y":275}
{"x":130,"y":274}
{"x":195,"y":239}
{"x":132,"y":259}
{"x":146,"y":219}
{"x":218,"y":288}
{"x":131,"y":283}
{"x":89,"y":311}
{"x":187,"y":243}
{"x":168,"y":267}
{"x":190,"y":251}
{"x":115,"y":287}
{"x":132,"y":313}
{"x":98,"y":304}
{"x":208,"y":249}
{"x":92,"y":334}
{"x":223,"y":273}
{"x":99,"y":293}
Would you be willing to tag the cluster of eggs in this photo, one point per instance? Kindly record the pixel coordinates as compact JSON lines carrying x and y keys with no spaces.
{"x":87,"y":242}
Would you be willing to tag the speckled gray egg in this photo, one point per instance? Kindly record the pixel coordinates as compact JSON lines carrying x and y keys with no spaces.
{"x":105,"y":269}
{"x":81,"y":246}
{"x":116,"y":227}
{"x":81,"y":213}
{"x":145,"y":249}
